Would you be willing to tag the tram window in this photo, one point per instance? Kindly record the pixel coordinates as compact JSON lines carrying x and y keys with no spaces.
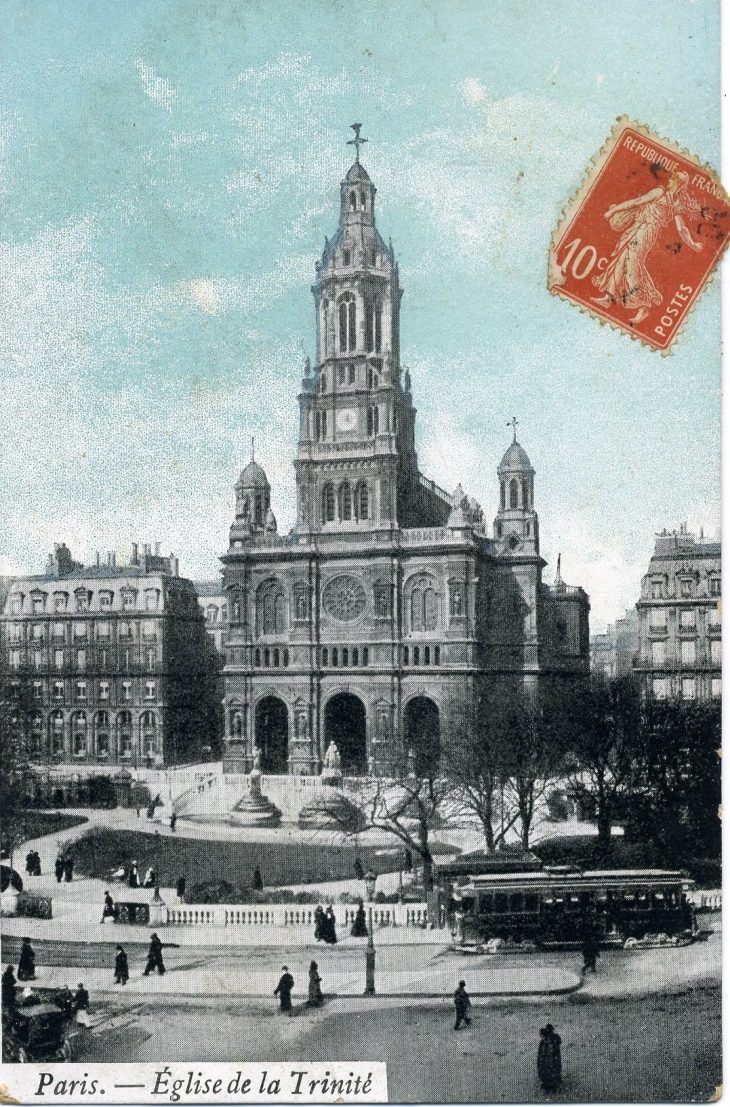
{"x":486,"y":904}
{"x":573,"y":902}
{"x":629,"y":897}
{"x":500,"y":902}
{"x":467,"y":904}
{"x":532,"y":901}
{"x":658,"y":897}
{"x":643,"y":898}
{"x":516,"y":902}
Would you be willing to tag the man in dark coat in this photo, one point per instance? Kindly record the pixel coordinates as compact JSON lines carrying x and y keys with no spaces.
{"x":26,"y":962}
{"x":68,"y":869}
{"x":591,"y":951}
{"x":180,"y":888}
{"x":154,"y":957}
{"x":121,"y":966}
{"x":58,"y":868}
{"x":319,"y":924}
{"x":9,"y":989}
{"x":81,"y":1005}
{"x":358,"y":869}
{"x":133,"y":876}
{"x":108,"y":912}
{"x":258,"y":880}
{"x":284,"y":989}
{"x":462,"y":1003}
{"x":29,"y":865}
{"x":36,"y":863}
{"x":173,"y":822}
{"x":549,"y":1062}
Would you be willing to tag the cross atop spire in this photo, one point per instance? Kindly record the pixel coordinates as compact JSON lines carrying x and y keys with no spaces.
{"x":513,"y":423}
{"x":357,"y":142}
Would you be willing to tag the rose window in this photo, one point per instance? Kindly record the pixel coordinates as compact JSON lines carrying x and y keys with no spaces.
{"x":344,"y":599}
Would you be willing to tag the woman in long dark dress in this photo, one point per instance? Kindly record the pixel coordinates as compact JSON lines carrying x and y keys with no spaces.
{"x":316,"y":999}
{"x":329,"y":933}
{"x":319,"y":924}
{"x":283,"y":990}
{"x":549,"y":1062}
{"x":26,"y":963}
{"x":359,"y":926}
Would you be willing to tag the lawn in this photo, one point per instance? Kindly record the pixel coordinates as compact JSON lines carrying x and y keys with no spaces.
{"x":99,"y":852}
{"x":36,"y":824}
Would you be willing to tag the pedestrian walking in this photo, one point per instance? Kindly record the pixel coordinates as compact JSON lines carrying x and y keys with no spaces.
{"x":9,"y":989}
{"x":121,"y":966}
{"x":359,"y":872}
{"x":173,"y":822}
{"x":359,"y":926}
{"x":109,"y":911}
{"x":68,"y":868}
{"x":591,"y":951}
{"x":330,"y":934}
{"x":154,"y":957}
{"x":29,"y":863}
{"x":258,"y":880}
{"x":316,"y":999}
{"x":283,"y":990}
{"x":58,"y":868}
{"x":26,"y":962}
{"x":319,"y":925}
{"x":549,"y":1062}
{"x":408,"y":861}
{"x":180,"y":888}
{"x":462,"y":1003}
{"x":133,"y":876}
{"x":81,"y":1005}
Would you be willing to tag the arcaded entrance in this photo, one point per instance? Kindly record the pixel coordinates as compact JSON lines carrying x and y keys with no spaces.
{"x":422,"y":734}
{"x":344,"y":724}
{"x":272,"y":734}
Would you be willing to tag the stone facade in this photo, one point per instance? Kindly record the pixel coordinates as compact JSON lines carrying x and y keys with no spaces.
{"x":115,"y":661}
{"x":680,"y":640}
{"x":378,"y":621}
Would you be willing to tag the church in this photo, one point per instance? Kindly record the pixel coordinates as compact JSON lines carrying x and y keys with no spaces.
{"x":379,"y":620}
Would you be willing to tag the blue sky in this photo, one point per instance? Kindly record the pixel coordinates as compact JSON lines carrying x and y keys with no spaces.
{"x":170,"y":171}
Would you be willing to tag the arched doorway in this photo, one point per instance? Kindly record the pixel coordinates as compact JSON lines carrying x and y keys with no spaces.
{"x":344,"y":724}
{"x":422,"y":734}
{"x":272,"y":734}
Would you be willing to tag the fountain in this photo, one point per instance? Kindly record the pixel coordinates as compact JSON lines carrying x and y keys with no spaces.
{"x":255,"y":809}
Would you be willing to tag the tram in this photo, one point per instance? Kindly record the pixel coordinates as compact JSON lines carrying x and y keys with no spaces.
{"x":559,"y":905}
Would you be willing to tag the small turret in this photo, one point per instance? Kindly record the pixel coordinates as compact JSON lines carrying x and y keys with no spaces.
{"x":253,"y":503}
{"x":516,"y":529}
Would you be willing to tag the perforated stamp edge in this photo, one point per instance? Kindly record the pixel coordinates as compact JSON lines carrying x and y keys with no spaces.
{"x":555,"y":278}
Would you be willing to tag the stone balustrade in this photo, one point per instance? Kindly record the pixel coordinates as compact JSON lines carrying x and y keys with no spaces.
{"x":291,"y":915}
{"x":706,"y":900}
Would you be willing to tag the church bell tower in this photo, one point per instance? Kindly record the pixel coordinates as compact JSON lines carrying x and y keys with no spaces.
{"x":356,"y":461}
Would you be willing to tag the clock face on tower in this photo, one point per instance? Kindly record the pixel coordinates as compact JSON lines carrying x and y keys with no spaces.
{"x":346,"y":419}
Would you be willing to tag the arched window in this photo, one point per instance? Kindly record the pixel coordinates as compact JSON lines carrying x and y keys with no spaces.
{"x":350,"y":374}
{"x":373,"y":325}
{"x":416,"y":609}
{"x":363,"y":502}
{"x":345,"y":658}
{"x":437,"y":655}
{"x":276,"y":659}
{"x":362,"y":200}
{"x":257,"y":659}
{"x":382,"y":592}
{"x":78,"y":734}
{"x":525,"y":495}
{"x":325,"y":657}
{"x":57,"y":732}
{"x":340,"y":374}
{"x":502,"y":494}
{"x":429,"y":609}
{"x":426,"y":655}
{"x":334,"y":657}
{"x":405,"y":655}
{"x":353,"y":201}
{"x":124,"y":734}
{"x":513,"y":493}
{"x":148,"y":733}
{"x":345,"y":502}
{"x":347,"y":319}
{"x":328,"y":504}
{"x":365,"y":655}
{"x":373,"y":420}
{"x":352,"y":340}
{"x":355,"y":656}
{"x":267,"y":659}
{"x":416,"y":656}
{"x":286,"y":659}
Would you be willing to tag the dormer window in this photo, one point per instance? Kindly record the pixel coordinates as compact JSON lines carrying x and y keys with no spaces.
{"x":38,"y":600}
{"x":60,"y":601}
{"x":105,"y":600}
{"x":16,"y":603}
{"x":81,"y":599}
{"x":129,"y":598}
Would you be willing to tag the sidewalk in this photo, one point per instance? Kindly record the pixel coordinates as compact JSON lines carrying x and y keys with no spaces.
{"x":220,"y":980}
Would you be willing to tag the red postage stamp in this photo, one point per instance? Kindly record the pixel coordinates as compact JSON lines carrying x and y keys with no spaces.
{"x":637,"y":244}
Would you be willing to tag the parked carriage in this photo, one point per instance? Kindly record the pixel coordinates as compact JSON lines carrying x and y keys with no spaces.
{"x":557,"y":906}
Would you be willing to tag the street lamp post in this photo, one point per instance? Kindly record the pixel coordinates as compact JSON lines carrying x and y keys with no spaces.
{"x":370,"y":958}
{"x":370,"y":879}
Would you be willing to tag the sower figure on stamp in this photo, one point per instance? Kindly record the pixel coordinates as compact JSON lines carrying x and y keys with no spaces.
{"x":462,"y":1003}
{"x":626,"y":279}
{"x":284,"y":989}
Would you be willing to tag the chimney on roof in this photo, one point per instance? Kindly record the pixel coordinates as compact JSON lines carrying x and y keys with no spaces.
{"x":174,"y":565}
{"x":157,"y":549}
{"x":147,"y":549}
{"x":135,"y":553}
{"x":98,"y":559}
{"x":114,"y":560}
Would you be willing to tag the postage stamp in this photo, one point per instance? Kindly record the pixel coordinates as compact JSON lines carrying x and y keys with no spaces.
{"x":641,"y":238}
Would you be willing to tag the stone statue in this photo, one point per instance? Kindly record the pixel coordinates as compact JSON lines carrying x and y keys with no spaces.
{"x":237,"y":726}
{"x":332,"y":759}
{"x":256,"y":767}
